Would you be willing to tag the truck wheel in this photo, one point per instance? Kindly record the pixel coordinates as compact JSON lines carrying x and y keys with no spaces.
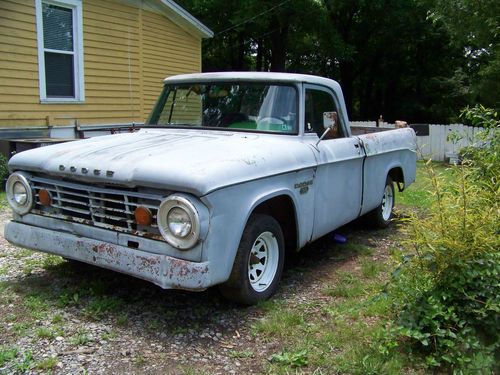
{"x":258,"y":264}
{"x":382,"y":215}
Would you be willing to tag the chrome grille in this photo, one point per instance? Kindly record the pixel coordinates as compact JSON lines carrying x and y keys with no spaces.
{"x":102,"y":207}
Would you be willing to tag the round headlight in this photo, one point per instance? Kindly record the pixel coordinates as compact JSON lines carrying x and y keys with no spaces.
{"x":179,"y":222}
{"x":19,"y":193}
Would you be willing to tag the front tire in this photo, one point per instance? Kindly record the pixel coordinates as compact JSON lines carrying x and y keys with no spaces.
{"x":259,"y":262}
{"x":382,"y":215}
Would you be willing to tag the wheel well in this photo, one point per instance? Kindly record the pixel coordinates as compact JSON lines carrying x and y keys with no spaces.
{"x":396,"y":174}
{"x":283,"y":210}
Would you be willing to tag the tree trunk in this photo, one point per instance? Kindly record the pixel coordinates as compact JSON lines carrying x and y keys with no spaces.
{"x":278,"y":46}
{"x":260,"y":55}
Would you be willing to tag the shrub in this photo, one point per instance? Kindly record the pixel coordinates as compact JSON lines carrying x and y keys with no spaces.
{"x":446,"y":291}
{"x":4,"y":171}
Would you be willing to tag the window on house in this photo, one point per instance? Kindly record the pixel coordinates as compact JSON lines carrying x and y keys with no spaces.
{"x":60,"y":50}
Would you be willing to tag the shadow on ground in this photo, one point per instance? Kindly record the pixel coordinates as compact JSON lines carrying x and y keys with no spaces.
{"x":95,"y":294}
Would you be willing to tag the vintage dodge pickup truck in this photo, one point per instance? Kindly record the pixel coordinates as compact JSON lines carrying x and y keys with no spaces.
{"x":230,"y":172}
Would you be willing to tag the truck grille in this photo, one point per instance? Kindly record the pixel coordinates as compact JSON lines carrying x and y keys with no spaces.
{"x":102,"y":207}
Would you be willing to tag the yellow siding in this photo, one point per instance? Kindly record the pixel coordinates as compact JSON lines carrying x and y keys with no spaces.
{"x":127,"y":54}
{"x":166,"y":50}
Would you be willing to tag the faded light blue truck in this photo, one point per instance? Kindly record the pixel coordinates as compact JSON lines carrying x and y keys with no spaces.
{"x":231,"y":171}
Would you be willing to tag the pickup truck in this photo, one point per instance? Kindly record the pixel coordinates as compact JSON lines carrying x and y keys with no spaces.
{"x":231,"y":172}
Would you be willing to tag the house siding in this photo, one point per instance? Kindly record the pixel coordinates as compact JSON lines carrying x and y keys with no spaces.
{"x":127,"y":53}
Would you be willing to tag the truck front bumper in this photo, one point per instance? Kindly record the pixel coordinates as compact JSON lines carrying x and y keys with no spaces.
{"x":163,"y":270}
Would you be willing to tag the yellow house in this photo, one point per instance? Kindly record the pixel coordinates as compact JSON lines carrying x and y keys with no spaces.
{"x":68,"y":65}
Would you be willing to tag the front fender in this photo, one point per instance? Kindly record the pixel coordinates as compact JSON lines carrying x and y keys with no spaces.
{"x":230,"y":209}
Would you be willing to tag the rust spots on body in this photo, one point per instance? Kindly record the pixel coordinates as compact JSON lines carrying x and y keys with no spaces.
{"x":184,"y":269}
{"x":105,"y":248}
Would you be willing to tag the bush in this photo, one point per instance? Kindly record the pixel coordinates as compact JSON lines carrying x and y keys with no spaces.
{"x":446,"y":290}
{"x":4,"y":171}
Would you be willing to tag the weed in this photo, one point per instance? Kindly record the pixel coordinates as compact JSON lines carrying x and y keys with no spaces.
{"x":107,"y":336}
{"x":25,"y":363}
{"x":45,"y":333}
{"x":347,"y":286}
{"x":102,"y":304}
{"x":294,"y":359}
{"x":57,"y":319}
{"x":20,"y":328}
{"x":122,"y":319}
{"x":370,"y":268}
{"x":153,"y":324}
{"x":7,"y":355}
{"x":47,"y":364}
{"x":278,"y":323}
{"x":80,"y":339}
{"x":139,"y":359}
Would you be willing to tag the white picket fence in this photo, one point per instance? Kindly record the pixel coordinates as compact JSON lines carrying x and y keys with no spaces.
{"x":437,"y":145}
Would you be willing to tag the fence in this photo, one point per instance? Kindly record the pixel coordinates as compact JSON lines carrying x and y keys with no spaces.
{"x":432,"y":139}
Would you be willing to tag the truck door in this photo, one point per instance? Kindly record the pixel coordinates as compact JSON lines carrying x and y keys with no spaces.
{"x":338,"y":182}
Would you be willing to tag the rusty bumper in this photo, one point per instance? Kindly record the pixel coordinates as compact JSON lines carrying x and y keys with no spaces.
{"x":162,"y":270}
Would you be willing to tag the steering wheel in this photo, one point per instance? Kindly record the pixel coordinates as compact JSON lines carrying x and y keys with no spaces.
{"x":272,"y":120}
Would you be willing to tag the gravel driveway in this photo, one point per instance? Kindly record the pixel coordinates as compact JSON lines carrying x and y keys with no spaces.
{"x":65,"y":317}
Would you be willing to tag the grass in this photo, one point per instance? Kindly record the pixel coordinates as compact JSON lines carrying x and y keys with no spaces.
{"x":7,"y":354}
{"x":418,"y":195}
{"x":47,"y":364}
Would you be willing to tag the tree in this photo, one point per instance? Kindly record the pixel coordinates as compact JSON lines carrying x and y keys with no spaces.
{"x":390,"y":56}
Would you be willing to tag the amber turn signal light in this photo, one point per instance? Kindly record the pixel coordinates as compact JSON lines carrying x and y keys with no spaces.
{"x":143,"y":216}
{"x":45,"y":197}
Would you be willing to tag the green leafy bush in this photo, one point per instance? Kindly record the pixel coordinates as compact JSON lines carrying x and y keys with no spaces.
{"x":446,"y":290}
{"x":4,"y":171}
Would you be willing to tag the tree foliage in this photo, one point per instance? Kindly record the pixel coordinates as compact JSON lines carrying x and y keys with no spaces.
{"x":403,"y":59}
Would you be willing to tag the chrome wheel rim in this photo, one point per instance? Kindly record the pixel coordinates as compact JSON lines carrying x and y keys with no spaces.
{"x":263,"y":261}
{"x":387,"y":203}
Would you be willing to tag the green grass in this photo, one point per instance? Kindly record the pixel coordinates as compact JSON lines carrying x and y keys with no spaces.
{"x":81,"y":338}
{"x":47,"y":364}
{"x":346,"y":286}
{"x":45,"y":333}
{"x":7,"y":354}
{"x":418,"y":195}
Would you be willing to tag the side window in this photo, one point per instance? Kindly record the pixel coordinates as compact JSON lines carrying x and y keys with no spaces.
{"x":318,"y":102}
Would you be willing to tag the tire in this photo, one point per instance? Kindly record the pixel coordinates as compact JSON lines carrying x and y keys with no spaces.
{"x":258,"y":264}
{"x":382,"y":215}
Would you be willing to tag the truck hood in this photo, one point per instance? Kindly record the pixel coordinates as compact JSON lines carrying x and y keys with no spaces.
{"x":194,"y":161}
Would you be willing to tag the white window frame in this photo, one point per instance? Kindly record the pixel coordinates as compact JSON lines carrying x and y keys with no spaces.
{"x":76,"y":7}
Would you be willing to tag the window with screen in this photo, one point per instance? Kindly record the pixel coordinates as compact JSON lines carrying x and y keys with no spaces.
{"x":60,"y":50}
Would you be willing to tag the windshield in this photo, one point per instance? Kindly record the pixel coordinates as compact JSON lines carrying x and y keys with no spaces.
{"x":237,"y":106}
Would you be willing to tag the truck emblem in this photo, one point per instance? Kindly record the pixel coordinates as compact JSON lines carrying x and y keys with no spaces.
{"x":303,"y":184}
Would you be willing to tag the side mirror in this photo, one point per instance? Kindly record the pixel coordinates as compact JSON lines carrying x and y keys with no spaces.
{"x":329,"y":119}
{"x":330,"y":125}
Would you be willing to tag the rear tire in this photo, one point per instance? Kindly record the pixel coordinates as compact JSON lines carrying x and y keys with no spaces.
{"x":382,"y":215}
{"x":259,"y":262}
